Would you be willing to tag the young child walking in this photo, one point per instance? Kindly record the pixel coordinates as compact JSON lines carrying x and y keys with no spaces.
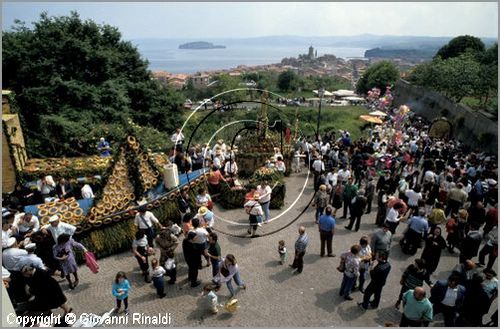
{"x":120,"y":290}
{"x":282,"y":252}
{"x":209,"y":293}
{"x":157,"y":272}
{"x":170,"y":267}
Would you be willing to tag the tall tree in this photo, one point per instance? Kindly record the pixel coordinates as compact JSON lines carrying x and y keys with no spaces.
{"x":71,"y":75}
{"x":460,"y":45}
{"x":379,"y":75}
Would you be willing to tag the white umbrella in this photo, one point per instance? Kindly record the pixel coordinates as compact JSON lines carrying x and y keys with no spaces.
{"x":378,"y":113}
{"x":325,"y":93}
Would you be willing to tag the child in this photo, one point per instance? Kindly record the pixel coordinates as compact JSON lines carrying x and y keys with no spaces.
{"x":212,"y":299}
{"x":157,"y":272}
{"x":120,"y":289}
{"x":171,"y":270}
{"x":282,"y":251}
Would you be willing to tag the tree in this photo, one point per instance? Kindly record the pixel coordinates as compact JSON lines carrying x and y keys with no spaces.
{"x":460,"y":45}
{"x":288,"y":80}
{"x":70,"y":75}
{"x":379,"y":75}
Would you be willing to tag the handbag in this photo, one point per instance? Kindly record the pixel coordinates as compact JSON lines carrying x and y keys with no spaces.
{"x":91,"y":262}
{"x":341,"y":267}
{"x":224,"y":271}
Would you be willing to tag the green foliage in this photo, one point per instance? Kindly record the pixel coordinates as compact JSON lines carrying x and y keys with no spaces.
{"x":226,"y":83}
{"x":461,"y":45}
{"x":71,"y":76}
{"x":288,"y":80}
{"x":379,"y":75}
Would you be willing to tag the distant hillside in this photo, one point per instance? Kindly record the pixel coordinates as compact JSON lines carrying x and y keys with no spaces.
{"x":401,"y":53}
{"x":200,"y":45}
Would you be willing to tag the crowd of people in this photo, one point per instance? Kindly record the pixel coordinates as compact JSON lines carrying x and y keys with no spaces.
{"x":429,"y":185}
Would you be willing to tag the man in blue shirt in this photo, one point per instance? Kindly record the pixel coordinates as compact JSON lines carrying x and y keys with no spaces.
{"x":326,"y":225}
{"x":417,"y":229}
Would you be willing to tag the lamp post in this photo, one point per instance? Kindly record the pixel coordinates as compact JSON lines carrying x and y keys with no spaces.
{"x":321,"y":92}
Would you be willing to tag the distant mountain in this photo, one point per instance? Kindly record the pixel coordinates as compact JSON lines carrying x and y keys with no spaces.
{"x":200,"y":45}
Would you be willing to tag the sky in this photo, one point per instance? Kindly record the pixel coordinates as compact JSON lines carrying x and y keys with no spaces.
{"x":252,"y":19}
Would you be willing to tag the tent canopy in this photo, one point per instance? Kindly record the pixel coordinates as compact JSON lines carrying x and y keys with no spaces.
{"x":378,"y":114}
{"x":326,"y":93}
{"x":344,"y":93}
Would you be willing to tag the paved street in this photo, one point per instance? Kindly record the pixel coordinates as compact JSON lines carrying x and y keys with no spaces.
{"x":274,"y":296}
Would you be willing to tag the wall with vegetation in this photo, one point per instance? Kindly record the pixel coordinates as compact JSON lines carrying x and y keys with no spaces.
{"x":476,"y":129}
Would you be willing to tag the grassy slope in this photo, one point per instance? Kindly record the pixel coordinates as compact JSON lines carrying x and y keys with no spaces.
{"x":332,"y":118}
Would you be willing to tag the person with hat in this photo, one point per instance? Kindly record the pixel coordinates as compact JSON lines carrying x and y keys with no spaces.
{"x":103,"y":148}
{"x":254,"y":211}
{"x":24,"y":225}
{"x":56,"y":228}
{"x":206,"y":217}
{"x":31,"y":259}
{"x":145,"y":221}
{"x":11,"y":257}
{"x":358,"y":206}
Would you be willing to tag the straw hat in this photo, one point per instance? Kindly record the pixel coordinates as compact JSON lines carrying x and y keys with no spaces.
{"x":202,"y":210}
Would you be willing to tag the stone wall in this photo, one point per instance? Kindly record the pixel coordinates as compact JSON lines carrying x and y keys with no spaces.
{"x":476,"y":129}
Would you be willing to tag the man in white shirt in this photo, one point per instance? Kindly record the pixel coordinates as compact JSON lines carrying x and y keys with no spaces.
{"x":24,"y":225}
{"x":231,"y":168}
{"x":87,"y":192}
{"x":177,"y":138}
{"x":56,"y":228}
{"x":145,"y":221}
{"x":343,"y":175}
{"x":331,"y":179}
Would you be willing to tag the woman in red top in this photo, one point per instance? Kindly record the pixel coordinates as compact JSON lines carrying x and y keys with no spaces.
{"x":214,"y":178}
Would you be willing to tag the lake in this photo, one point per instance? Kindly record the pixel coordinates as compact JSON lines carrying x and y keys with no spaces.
{"x":164,"y":55}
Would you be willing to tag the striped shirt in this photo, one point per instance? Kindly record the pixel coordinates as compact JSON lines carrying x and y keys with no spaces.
{"x":301,"y":243}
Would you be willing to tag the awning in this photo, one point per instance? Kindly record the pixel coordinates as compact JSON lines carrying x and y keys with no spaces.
{"x":371,"y":119}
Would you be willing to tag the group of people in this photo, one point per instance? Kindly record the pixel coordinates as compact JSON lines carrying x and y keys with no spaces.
{"x":431,"y":186}
{"x":32,"y":254}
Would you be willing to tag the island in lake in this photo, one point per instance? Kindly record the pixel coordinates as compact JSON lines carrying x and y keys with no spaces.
{"x":200,"y":45}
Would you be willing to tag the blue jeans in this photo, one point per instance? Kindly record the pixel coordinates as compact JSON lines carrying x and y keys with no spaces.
{"x":215,"y":266}
{"x":159,"y":284}
{"x":346,"y":286}
{"x":319,"y":212}
{"x":265,"y":208}
{"x":237,"y":280}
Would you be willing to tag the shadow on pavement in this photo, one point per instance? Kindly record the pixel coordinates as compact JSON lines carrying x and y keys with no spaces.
{"x":311,"y":258}
{"x":283,"y":275}
{"x":273,"y":263}
{"x":327,"y":300}
{"x":387,"y":314}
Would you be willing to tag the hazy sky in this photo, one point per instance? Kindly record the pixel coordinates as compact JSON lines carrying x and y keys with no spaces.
{"x":205,"y":19}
